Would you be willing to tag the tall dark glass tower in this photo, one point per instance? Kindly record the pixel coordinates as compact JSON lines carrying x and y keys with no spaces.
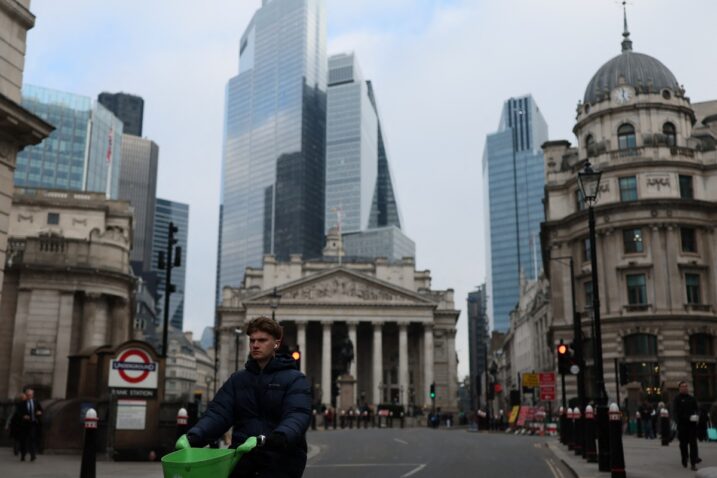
{"x":477,"y":342}
{"x":514,"y":173}
{"x":274,"y":139}
{"x":128,"y":108}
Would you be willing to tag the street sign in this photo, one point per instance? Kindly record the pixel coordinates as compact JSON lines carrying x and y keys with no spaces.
{"x":530,"y":380}
{"x":513,"y":414}
{"x":546,"y":378}
{"x":547,"y":392}
{"x":133,"y":368}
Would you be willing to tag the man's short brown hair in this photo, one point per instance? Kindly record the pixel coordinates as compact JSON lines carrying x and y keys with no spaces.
{"x":265,"y":324}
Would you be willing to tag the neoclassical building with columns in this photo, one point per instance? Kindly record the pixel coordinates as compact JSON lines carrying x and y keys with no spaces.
{"x":655,"y":222}
{"x":403,"y":332}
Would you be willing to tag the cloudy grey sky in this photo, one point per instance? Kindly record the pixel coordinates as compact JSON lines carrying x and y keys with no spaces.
{"x":441,"y":70}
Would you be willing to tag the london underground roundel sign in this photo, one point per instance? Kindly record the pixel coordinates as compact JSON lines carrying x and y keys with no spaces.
{"x":132,"y":367}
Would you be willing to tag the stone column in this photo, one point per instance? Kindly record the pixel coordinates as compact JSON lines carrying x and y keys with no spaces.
{"x":89,"y":311}
{"x":301,"y":342}
{"x":62,"y":345}
{"x":377,"y":361}
{"x":19,"y":341}
{"x":428,"y":364}
{"x":403,"y":362}
{"x":121,"y":321}
{"x":452,"y":368}
{"x":354,"y":342}
{"x":326,"y":364}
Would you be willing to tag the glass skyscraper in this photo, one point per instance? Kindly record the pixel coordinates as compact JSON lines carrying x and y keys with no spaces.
{"x":84,"y":151}
{"x":477,"y":342}
{"x":128,"y":108}
{"x":178,"y":213}
{"x":274,"y":139}
{"x":513,"y":171}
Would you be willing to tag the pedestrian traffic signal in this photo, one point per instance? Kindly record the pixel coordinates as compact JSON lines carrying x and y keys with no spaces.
{"x":564,"y":360}
{"x":433,"y":391}
{"x":296,"y":355}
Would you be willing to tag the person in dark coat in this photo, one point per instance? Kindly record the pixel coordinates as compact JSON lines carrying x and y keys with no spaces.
{"x":685,"y":412}
{"x":30,"y":412}
{"x":269,"y":397}
{"x":13,"y":425}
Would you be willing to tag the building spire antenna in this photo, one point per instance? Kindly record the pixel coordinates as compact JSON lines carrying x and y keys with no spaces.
{"x":626,"y":42}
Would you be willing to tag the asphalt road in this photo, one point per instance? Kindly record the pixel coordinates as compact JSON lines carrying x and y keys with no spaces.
{"x":424,"y":453}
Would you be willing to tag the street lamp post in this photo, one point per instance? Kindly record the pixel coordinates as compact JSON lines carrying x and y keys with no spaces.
{"x":275,"y":298}
{"x":589,"y":183}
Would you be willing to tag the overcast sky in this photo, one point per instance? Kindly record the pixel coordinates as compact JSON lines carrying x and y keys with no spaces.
{"x":441,"y":71}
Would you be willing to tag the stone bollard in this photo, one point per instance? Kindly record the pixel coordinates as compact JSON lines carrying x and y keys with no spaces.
{"x":617,"y":457}
{"x":562,"y":425}
{"x":313,"y":419}
{"x":326,"y":419}
{"x":638,"y":419}
{"x":665,"y":431}
{"x":590,"y":448}
{"x":569,"y":428}
{"x":182,"y":422}
{"x":351,"y":418}
{"x":579,"y":439}
{"x":343,"y":419}
{"x":89,"y":457}
{"x":403,"y":419}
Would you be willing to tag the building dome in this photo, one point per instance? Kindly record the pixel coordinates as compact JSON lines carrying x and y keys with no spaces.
{"x":642,"y":72}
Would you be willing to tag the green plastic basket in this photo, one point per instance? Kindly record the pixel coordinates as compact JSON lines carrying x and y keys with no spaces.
{"x":188,"y":462}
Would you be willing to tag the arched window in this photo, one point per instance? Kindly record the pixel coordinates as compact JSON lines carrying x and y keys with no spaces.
{"x":626,"y":137}
{"x":668,"y":129}
{"x":590,"y":145}
{"x":701,"y":344}
{"x":640,"y":345}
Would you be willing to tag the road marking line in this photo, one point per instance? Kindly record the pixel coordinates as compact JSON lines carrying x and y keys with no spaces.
{"x":554,"y":468}
{"x":401,"y":441}
{"x":356,"y":465}
{"x":419,"y":468}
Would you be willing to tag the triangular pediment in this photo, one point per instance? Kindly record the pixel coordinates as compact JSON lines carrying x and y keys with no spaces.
{"x":340,"y":286}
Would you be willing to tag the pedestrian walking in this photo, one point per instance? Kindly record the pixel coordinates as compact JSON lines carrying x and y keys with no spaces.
{"x":30,"y":412}
{"x":13,"y":425}
{"x":269,"y":397}
{"x":686,"y":412}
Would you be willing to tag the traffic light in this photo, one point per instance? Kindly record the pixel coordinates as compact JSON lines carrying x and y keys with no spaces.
{"x":564,"y":361}
{"x":433,"y":391}
{"x":296,"y":355}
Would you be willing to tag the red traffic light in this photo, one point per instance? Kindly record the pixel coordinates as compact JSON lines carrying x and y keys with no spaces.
{"x":562,"y":349}
{"x":296,"y":355}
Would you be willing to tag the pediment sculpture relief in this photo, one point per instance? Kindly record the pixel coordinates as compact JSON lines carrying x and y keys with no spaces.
{"x":342,"y":288}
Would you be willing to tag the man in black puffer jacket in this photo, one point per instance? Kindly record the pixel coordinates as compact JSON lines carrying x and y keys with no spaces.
{"x":269,"y":397}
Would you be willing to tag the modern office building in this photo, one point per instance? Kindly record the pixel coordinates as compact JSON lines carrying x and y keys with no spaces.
{"x":351,"y":146}
{"x":84,"y":151}
{"x":513,"y":172}
{"x":274,"y":139}
{"x":138,"y":185}
{"x":360,"y":197}
{"x":177,"y":213}
{"x":128,"y":108}
{"x":477,"y":343}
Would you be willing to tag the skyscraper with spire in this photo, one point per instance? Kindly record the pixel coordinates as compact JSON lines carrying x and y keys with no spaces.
{"x":274,"y":140}
{"x":513,"y":172}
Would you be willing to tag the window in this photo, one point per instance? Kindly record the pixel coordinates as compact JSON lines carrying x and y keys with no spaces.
{"x":692,"y":281}
{"x":586,"y":250}
{"x":668,"y":129}
{"x":704,"y":380}
{"x":648,"y":375}
{"x":686,"y":191}
{"x":689,"y":241}
{"x":628,"y":188}
{"x":636,"y":289}
{"x":579,"y":200}
{"x":640,"y":345}
{"x":588,"y":287}
{"x":590,"y":145}
{"x":632,"y":240}
{"x":702,"y":344}
{"x":626,"y":137}
{"x":53,"y":218}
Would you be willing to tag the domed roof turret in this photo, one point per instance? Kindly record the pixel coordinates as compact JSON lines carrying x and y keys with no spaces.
{"x":642,"y":72}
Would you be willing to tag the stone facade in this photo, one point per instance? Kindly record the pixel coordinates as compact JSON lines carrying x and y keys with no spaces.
{"x":67,"y":285}
{"x":655,"y":222}
{"x":18,"y":127}
{"x":403,"y":332}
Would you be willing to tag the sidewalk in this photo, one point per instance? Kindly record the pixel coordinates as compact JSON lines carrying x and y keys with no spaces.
{"x":643,"y":459}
